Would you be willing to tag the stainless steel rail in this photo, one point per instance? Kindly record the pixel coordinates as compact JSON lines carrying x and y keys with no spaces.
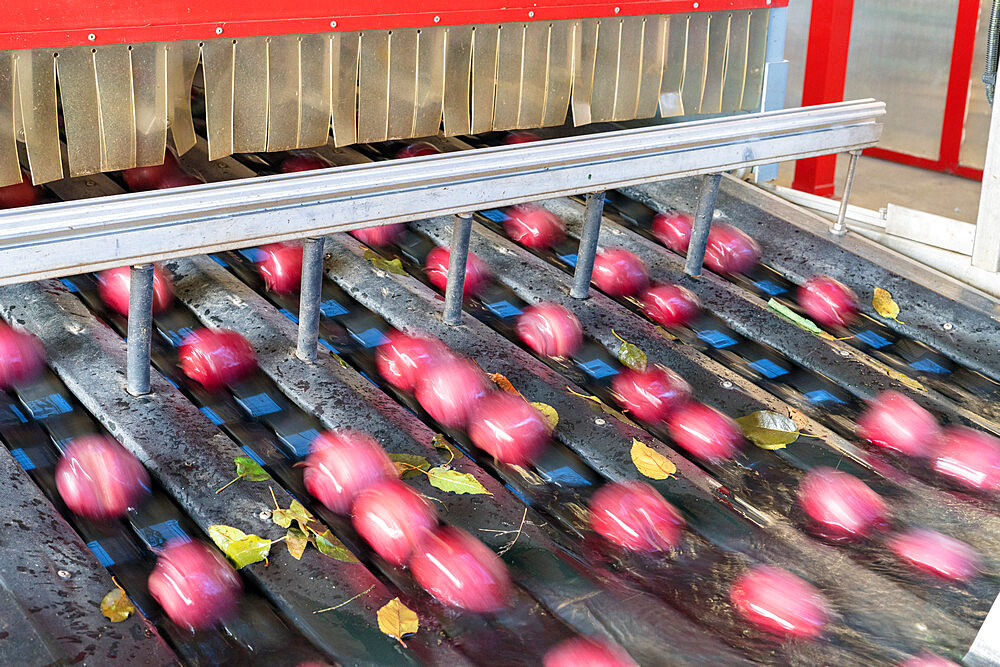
{"x":71,"y":237}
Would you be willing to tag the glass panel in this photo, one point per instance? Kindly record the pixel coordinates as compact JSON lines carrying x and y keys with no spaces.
{"x":430,"y":81}
{"x":218,"y":56}
{"x":674,"y":67}
{"x":373,"y":86}
{"x":484,"y":75}
{"x":251,"y":94}
{"x":149,"y":89}
{"x":458,"y":68}
{"x":344,"y":92}
{"x":654,"y":40}
{"x":560,"y":81}
{"x":10,"y":170}
{"x":81,"y":111}
{"x":283,"y":77}
{"x":114,"y":91}
{"x":402,"y":90}
{"x":36,"y":79}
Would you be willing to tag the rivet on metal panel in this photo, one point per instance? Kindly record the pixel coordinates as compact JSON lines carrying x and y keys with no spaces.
{"x":437,"y":19}
{"x":947,"y":326}
{"x":726,"y":384}
{"x":333,"y":24}
{"x":218,"y":31}
{"x":92,"y":37}
{"x":64,"y":574}
{"x":531,"y":14}
{"x":617,"y":9}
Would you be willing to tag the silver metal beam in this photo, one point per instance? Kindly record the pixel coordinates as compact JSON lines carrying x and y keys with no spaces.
{"x":64,"y":238}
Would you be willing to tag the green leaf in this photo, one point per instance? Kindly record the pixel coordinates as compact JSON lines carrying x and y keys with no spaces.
{"x":549,"y":412}
{"x":242,"y":549}
{"x":296,"y":541}
{"x":787,"y":313}
{"x":769,"y":430}
{"x":247,"y":468}
{"x":454,"y":481}
{"x":440,"y":442}
{"x":409,"y":465}
{"x":631,"y":355}
{"x":380,"y":262}
{"x":329,"y":545}
{"x":284,"y":517}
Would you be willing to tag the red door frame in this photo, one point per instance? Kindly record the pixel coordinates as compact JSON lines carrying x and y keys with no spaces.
{"x":823,"y":81}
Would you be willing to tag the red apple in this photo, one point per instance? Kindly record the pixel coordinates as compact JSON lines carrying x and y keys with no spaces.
{"x":705,"y":432}
{"x":550,"y":330}
{"x":968,"y":458}
{"x":534,"y":227}
{"x":342,"y":464}
{"x":281,"y":267}
{"x":674,"y":230}
{"x":840,"y":504}
{"x":302,"y":162}
{"x":417,"y":149}
{"x":778,"y":602}
{"x":402,"y":360}
{"x":19,"y":194}
{"x":381,"y":235}
{"x":393,"y":519}
{"x":99,"y":479}
{"x":652,"y":394}
{"x":459,"y":570}
{"x":22,"y":357}
{"x":138,"y":179}
{"x":508,"y":427}
{"x":520,"y":138}
{"x":828,"y":302}
{"x":114,"y":286}
{"x":729,"y":250}
{"x":216,"y":358}
{"x":448,"y":390}
{"x":618,"y":272}
{"x":938,"y":554}
{"x":194,"y":584}
{"x":180,"y":179}
{"x":896,"y":422}
{"x":476,"y":271}
{"x":587,"y":652}
{"x":635,"y":516}
{"x":670,"y":305}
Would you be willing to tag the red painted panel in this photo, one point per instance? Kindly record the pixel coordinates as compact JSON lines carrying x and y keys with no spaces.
{"x":957,"y":100}
{"x":61,"y":23}
{"x":823,"y":82}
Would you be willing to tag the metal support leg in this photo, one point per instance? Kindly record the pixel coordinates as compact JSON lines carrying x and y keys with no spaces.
{"x":702,"y":223}
{"x":587,"y":250}
{"x":310,"y":295}
{"x":140,"y":328}
{"x":840,"y":228}
{"x":458,"y":254}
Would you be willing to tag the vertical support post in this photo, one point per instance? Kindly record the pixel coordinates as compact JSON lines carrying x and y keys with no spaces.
{"x":458,"y":254}
{"x":310,"y":295}
{"x":986,"y":246}
{"x":823,"y":82}
{"x":775,"y":85}
{"x":702,"y":223}
{"x":587,"y":250}
{"x":140,"y":329}
{"x":840,"y":227}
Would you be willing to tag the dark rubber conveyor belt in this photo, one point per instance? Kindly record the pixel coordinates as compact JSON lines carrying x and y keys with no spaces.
{"x":191,"y":458}
{"x":520,"y":270}
{"x":410,"y":305}
{"x":747,"y":314}
{"x":788,"y":236}
{"x":51,"y":587}
{"x":602,"y":607}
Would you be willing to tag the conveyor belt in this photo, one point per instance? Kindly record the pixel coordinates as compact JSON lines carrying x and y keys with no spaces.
{"x":568,"y":582}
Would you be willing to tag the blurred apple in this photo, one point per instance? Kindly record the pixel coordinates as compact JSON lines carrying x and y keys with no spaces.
{"x":436,"y":266}
{"x":114,"y":286}
{"x":194,"y":585}
{"x":635,"y":516}
{"x":449,"y":389}
{"x":22,"y":357}
{"x":670,"y":305}
{"x":99,"y":479}
{"x":896,"y":422}
{"x":342,"y":464}
{"x":550,"y":330}
{"x":281,"y":267}
{"x":534,"y":227}
{"x":216,"y":358}
{"x":508,"y":428}
{"x":828,"y":302}
{"x":705,"y":432}
{"x":652,"y":394}
{"x":778,"y":602}
{"x":402,"y":360}
{"x":459,"y":570}
{"x":618,"y":272}
{"x":393,"y":519}
{"x":587,"y":652}
{"x":840,"y":504}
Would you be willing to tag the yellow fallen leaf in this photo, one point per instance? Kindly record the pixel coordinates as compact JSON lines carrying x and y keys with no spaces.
{"x":549,"y":412}
{"x":884,"y":304}
{"x":396,"y":620}
{"x":116,"y":606}
{"x":296,"y":542}
{"x":769,"y":430}
{"x":503,"y":383}
{"x":650,"y":462}
{"x":903,"y":378}
{"x":454,"y":481}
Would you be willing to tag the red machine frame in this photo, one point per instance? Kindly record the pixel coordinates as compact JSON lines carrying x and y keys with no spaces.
{"x":30,"y":24}
{"x":823,"y":81}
